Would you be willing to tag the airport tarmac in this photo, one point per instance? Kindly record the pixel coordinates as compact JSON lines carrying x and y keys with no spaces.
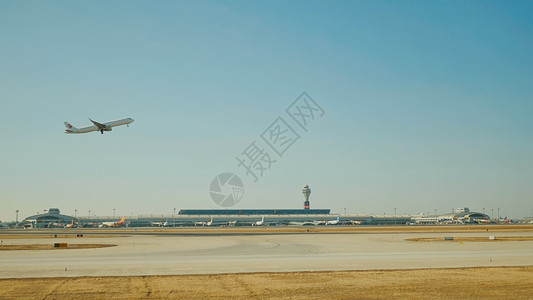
{"x":158,"y":254}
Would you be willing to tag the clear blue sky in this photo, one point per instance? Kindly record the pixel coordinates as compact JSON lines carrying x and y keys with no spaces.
{"x":428,"y":104}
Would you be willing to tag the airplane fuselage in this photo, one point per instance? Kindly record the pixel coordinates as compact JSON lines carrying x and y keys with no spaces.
{"x":113,"y":224}
{"x":98,"y":126}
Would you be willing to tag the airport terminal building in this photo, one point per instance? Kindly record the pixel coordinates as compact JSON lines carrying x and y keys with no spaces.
{"x":462,"y":215}
{"x":52,"y":218}
{"x":271,"y":217}
{"x":220,"y":217}
{"x":252,"y":217}
{"x":218,"y":212}
{"x":246,"y":217}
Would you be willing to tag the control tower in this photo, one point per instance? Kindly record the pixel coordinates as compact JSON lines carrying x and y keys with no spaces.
{"x":306,"y":191}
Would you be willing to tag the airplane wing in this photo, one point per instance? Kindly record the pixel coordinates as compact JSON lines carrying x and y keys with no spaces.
{"x":99,"y":125}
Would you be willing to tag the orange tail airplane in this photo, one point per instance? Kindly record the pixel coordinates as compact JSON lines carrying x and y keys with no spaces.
{"x":71,"y":225}
{"x":114,"y":224}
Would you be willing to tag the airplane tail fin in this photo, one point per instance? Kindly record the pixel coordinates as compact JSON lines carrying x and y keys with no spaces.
{"x":69,"y":127}
{"x":123,"y":219}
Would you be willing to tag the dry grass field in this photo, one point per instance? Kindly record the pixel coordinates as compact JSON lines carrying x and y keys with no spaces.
{"x":49,"y":236}
{"x":474,"y":239}
{"x":466,"y":283}
{"x":51,"y":247}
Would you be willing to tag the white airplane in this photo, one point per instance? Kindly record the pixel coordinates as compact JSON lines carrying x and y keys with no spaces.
{"x":204,"y":223}
{"x":55,"y":225}
{"x":98,"y":126}
{"x":160,"y":224}
{"x":308,"y":223}
{"x":113,"y":224}
{"x":334,"y":222}
{"x":259,"y":223}
{"x":484,"y":221}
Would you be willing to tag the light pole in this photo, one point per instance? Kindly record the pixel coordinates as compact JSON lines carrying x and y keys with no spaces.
{"x":345,"y":211}
{"x":75,"y":213}
{"x":174,"y":217}
{"x":492,"y":213}
{"x":395,"y":216}
{"x":483,"y":210}
{"x":498,"y":214}
{"x":89,"y":216}
{"x":113,"y":213}
{"x":17,"y":218}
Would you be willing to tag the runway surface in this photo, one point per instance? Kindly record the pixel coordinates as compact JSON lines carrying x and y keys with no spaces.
{"x":151,"y":254}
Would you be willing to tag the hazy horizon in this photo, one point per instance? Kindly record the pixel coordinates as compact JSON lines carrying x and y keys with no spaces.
{"x":425,"y":105}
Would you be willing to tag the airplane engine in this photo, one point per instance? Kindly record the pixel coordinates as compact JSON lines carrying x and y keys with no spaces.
{"x":108,"y":129}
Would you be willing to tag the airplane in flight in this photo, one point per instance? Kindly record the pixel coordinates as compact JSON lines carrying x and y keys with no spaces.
{"x":114,"y":224}
{"x":334,"y":222}
{"x":98,"y":126}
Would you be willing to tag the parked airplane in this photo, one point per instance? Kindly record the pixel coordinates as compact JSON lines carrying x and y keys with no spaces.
{"x":98,"y":126}
{"x":259,"y":223}
{"x":55,"y":225}
{"x":113,"y":224}
{"x":203,"y":223}
{"x":334,"y":222}
{"x":199,"y":223}
{"x":160,"y":224}
{"x":71,"y":225}
{"x":305,"y":223}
